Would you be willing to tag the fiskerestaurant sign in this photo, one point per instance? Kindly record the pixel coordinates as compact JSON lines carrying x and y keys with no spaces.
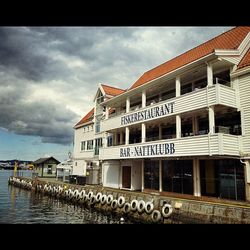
{"x":160,"y":149}
{"x":149,"y":113}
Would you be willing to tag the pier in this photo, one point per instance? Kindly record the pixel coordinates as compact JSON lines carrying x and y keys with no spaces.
{"x":140,"y":207}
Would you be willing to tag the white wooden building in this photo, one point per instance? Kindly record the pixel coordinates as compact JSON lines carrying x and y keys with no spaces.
{"x":182,"y":128}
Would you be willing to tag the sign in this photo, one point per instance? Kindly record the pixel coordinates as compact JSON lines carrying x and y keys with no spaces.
{"x":161,"y":149}
{"x":149,"y":113}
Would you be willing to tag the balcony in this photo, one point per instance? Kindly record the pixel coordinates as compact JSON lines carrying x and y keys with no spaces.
{"x":198,"y":99}
{"x":88,"y":154}
{"x":201,"y":145}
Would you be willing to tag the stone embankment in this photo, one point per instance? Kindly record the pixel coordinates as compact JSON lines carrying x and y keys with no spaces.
{"x":136,"y":206}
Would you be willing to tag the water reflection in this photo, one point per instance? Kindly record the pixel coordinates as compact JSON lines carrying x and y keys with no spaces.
{"x":23,"y":206}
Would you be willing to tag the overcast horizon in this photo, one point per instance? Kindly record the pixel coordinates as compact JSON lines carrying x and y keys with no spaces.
{"x":49,"y":76}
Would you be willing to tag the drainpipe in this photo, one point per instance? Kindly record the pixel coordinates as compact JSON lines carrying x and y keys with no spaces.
{"x":247,"y":172}
{"x":119,"y":176}
{"x":209,"y":149}
{"x":247,"y":179}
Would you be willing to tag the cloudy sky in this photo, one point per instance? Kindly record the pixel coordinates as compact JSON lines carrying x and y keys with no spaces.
{"x":49,"y":76}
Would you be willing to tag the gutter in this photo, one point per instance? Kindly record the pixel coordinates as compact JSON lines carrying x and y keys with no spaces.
{"x":241,"y":71}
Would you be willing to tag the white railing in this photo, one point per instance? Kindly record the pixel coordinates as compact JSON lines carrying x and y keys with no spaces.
{"x":201,"y":145}
{"x":201,"y":98}
{"x":86,"y":154}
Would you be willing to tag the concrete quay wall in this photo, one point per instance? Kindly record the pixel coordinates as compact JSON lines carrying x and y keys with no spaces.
{"x":139,"y":207}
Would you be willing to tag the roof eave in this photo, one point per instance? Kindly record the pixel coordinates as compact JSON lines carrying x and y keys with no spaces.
{"x":226,"y":52}
{"x":241,"y":71}
{"x":176,"y":72}
{"x":83,"y":124}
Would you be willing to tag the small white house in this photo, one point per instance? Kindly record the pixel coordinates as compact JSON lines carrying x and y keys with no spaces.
{"x":64,"y":170}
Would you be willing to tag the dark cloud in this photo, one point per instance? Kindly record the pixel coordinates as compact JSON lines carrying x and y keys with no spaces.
{"x":28,"y":53}
{"x":48,"y":120}
{"x":18,"y":50}
{"x":33,"y":51}
{"x":68,"y":62}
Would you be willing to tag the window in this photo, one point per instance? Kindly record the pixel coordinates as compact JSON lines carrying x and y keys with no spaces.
{"x":98,"y":144}
{"x":100,"y":98}
{"x":89,"y":144}
{"x":222,"y":178}
{"x":151,"y":174}
{"x":97,"y":127}
{"x":83,"y":144}
{"x":49,"y":169}
{"x":110,"y":141}
{"x":177,"y":176}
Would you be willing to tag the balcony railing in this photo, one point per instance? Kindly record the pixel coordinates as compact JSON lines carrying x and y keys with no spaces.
{"x":201,"y":98}
{"x":201,"y":145}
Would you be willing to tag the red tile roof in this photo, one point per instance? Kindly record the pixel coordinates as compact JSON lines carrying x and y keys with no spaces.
{"x":245,"y":61}
{"x":112,"y":90}
{"x":109,"y":91}
{"x":228,"y":40}
{"x":87,"y":118}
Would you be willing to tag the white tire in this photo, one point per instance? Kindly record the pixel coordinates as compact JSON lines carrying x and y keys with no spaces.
{"x":70,"y":194}
{"x":90,"y":194}
{"x":134,"y":205}
{"x":121,"y":201}
{"x":76,"y":193}
{"x":141,"y":206}
{"x":92,"y":200}
{"x":166,"y":210}
{"x":114,"y":204}
{"x":103,"y":199}
{"x":98,"y":197}
{"x":109,"y":199}
{"x":84,"y":198}
{"x":82,"y":193}
{"x":127,"y":207}
{"x":156,"y":216}
{"x":149,"y":207}
{"x":60,"y":189}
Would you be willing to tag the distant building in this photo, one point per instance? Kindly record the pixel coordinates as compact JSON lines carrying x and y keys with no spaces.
{"x":46,"y":167}
{"x":64,"y":170}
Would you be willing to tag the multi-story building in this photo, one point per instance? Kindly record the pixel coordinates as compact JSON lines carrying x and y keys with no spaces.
{"x":183,"y":128}
{"x":88,"y":137}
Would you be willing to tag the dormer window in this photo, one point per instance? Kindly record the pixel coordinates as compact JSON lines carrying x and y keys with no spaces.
{"x":100,"y":97}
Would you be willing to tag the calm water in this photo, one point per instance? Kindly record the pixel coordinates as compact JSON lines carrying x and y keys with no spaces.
{"x":23,"y":206}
